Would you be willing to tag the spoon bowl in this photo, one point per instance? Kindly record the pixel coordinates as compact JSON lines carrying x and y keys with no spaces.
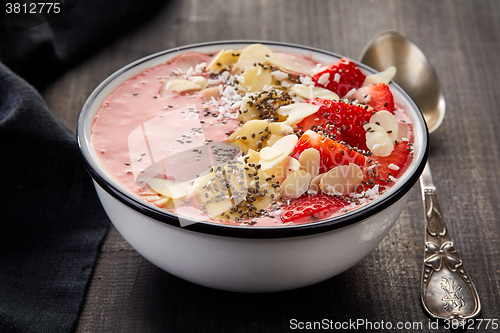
{"x":447,"y":290}
{"x":415,"y":73}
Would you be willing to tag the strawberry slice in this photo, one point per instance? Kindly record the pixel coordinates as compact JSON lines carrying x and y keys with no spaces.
{"x":332,"y":153}
{"x":340,"y":77}
{"x":380,"y":97}
{"x":312,"y":208}
{"x":347,"y":121}
{"x":392,"y":165}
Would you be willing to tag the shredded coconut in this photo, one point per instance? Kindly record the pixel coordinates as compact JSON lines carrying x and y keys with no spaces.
{"x":306,"y":80}
{"x":393,"y":166}
{"x":372,"y":192}
{"x":323,"y":79}
{"x":279,"y":75}
{"x":350,"y":93}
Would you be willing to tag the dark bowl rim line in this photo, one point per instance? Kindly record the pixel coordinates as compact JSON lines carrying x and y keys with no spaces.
{"x":218,"y":229}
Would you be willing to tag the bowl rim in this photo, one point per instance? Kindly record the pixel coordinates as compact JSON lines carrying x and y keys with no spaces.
{"x":239,"y":231}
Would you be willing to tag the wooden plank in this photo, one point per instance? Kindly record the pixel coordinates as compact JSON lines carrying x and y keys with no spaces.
{"x":461,"y":38}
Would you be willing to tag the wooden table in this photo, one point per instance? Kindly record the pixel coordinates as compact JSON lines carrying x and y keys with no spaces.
{"x":461,"y":38}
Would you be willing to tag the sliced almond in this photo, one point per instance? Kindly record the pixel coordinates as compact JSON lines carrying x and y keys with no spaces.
{"x":152,"y":198}
{"x":252,"y":54}
{"x":291,"y":63}
{"x":208,"y":93}
{"x":273,"y":138}
{"x":161,"y":202}
{"x":314,"y":184}
{"x":297,"y":112}
{"x":309,"y":159}
{"x":269,"y":153}
{"x":189,"y":60}
{"x":382,"y":77}
{"x":378,"y":141}
{"x":279,"y":171}
{"x":286,"y":145}
{"x":199,"y":80}
{"x":223,"y":60}
{"x":341,"y":180}
{"x":296,"y":184}
{"x":309,"y":92}
{"x":181,"y":85}
{"x":167,"y":188}
{"x":256,"y":78}
{"x":371,"y":127}
{"x":293,"y":165}
{"x":387,"y":121}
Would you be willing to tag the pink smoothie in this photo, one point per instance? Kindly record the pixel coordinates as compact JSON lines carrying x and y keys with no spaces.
{"x":138,"y":134}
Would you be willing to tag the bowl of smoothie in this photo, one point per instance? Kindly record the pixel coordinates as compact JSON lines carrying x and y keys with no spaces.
{"x":252,"y":166}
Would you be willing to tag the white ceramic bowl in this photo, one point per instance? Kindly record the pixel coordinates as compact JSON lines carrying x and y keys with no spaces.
{"x":247,"y":259}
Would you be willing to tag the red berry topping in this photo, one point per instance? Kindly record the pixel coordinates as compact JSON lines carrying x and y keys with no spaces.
{"x":392,"y":165}
{"x":331,"y":152}
{"x":340,"y":77}
{"x":312,"y":208}
{"x":380,"y":97}
{"x":345,"y":119}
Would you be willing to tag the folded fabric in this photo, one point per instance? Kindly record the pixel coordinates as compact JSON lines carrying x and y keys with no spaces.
{"x":51,"y":222}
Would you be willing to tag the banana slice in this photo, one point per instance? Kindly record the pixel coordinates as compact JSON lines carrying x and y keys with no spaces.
{"x":254,"y":134}
{"x":309,"y":160}
{"x":310,"y":92}
{"x":167,"y":188}
{"x":224,"y":60}
{"x":341,"y":180}
{"x":291,"y":63}
{"x":387,"y":121}
{"x":382,"y":77}
{"x":252,"y":54}
{"x":236,"y":190}
{"x":296,"y":184}
{"x":252,"y":157}
{"x":297,"y":112}
{"x":212,"y":194}
{"x":263,"y":105}
{"x":256,"y":78}
{"x":378,"y":141}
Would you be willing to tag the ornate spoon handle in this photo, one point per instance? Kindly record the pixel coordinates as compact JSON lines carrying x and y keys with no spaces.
{"x":447,"y":291}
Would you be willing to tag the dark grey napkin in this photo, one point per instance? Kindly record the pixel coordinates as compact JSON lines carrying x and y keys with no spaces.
{"x":51,"y":222}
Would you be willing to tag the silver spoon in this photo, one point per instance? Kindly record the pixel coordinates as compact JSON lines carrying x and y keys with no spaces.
{"x":447,"y":291}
